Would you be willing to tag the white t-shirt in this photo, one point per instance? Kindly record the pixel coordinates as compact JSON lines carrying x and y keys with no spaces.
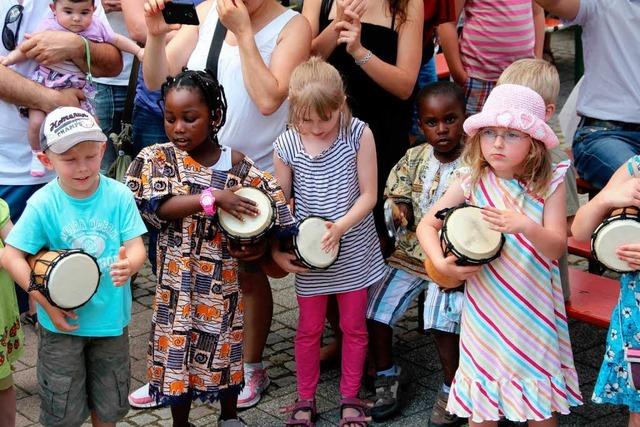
{"x":611,"y":40}
{"x":246,"y":129}
{"x":116,"y":20}
{"x":15,"y":153}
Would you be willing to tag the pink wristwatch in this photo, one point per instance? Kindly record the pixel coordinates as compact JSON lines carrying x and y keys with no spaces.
{"x":208,"y":202}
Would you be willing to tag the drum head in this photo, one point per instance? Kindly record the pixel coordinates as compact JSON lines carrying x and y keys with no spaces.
{"x":73,"y":280}
{"x":308,"y":244}
{"x":251,"y":226}
{"x":470,"y":234}
{"x":608,"y":238}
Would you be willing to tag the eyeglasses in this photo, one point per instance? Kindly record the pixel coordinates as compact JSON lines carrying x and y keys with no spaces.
{"x":510,"y":136}
{"x":10,"y":36}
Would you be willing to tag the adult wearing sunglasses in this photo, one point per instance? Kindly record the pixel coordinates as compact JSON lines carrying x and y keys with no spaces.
{"x":19,"y":18}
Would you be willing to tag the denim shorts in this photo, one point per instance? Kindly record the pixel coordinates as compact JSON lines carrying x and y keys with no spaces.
{"x":78,"y":375}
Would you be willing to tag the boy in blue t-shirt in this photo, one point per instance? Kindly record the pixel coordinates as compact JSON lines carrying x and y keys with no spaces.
{"x":83,"y":356}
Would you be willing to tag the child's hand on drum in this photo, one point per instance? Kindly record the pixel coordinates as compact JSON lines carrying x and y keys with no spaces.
{"x":623,"y":195}
{"x":236,"y":205}
{"x":331,"y":238}
{"x":121,"y":269}
{"x":59,"y":318}
{"x":402,"y":214}
{"x":505,"y":221}
{"x":448,"y":267}
{"x":287,"y":261}
{"x":630,"y":253}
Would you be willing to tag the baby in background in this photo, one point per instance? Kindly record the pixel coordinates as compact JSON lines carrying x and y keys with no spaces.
{"x":76,"y":16}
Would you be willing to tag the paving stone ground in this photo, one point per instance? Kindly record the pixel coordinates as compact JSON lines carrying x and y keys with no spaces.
{"x":414,"y":350}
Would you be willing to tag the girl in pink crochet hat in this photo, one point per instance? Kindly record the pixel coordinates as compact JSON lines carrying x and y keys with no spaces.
{"x":515,"y":353}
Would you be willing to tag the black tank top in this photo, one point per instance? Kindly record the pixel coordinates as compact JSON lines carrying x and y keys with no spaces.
{"x":388,"y":116}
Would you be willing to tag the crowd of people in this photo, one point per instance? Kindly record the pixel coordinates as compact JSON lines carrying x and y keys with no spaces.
{"x":334,"y":112}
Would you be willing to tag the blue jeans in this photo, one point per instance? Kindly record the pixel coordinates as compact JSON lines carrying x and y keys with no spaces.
{"x":16,"y":197}
{"x":148,"y":129}
{"x":598,"y":152}
{"x":426,"y":75}
{"x":109,"y":103}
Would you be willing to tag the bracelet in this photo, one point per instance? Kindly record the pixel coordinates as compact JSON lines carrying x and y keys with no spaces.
{"x":88,"y":56}
{"x":208,"y":202}
{"x":364,"y":59}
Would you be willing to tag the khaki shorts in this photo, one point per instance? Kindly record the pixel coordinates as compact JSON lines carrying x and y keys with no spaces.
{"x":80,"y":374}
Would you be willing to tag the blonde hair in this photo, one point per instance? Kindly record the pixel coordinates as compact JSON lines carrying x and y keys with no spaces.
{"x":317,"y":86}
{"x":536,"y":168}
{"x":536,"y":74}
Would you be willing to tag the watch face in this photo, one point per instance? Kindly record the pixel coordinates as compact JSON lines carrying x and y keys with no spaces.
{"x":207,"y":199}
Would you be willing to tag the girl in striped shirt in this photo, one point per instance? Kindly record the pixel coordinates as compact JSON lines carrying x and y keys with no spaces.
{"x":515,"y":353}
{"x":327,"y":162}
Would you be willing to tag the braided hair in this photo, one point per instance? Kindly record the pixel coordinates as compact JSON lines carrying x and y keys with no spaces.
{"x":211,"y":91}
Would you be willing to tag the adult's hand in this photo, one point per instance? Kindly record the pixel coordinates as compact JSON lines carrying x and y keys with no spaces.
{"x":235,"y":16}
{"x":51,"y":47}
{"x":111,"y":6}
{"x":65,"y":98}
{"x":358,"y":6}
{"x":154,"y":19}
{"x":349,"y":32}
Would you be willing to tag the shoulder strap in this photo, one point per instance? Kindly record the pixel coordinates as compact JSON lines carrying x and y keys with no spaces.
{"x":131,"y":91}
{"x":216,"y":45}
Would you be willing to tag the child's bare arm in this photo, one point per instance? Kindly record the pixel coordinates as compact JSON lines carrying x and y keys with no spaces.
{"x":448,"y":36}
{"x":131,"y":258}
{"x":15,"y":262}
{"x":622,"y":190}
{"x":282,"y":172}
{"x":14,"y":57}
{"x":539,"y":29}
{"x":550,"y":238}
{"x":125,"y":44}
{"x":367,"y":172}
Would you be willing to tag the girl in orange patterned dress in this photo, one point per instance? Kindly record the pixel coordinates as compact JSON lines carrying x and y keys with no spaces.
{"x":195,"y":348}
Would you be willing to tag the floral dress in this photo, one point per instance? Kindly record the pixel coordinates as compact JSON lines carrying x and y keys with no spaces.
{"x":196,"y":340}
{"x":11,"y":338}
{"x":612,"y":385}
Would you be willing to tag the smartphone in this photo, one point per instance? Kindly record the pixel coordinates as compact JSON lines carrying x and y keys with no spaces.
{"x":180,"y":13}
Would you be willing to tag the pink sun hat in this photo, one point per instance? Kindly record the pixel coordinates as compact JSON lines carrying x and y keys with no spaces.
{"x":515,"y":107}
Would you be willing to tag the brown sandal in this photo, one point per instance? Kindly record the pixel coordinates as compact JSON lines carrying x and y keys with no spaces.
{"x":362,"y":420}
{"x":301,"y":406}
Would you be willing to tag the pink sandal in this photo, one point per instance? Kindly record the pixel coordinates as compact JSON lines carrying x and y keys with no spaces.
{"x":361,"y":420}
{"x":301,"y":406}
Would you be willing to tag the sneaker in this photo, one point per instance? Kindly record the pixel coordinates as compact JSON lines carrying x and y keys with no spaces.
{"x":141,"y":398}
{"x":256,"y":382}
{"x":37,"y":168}
{"x":440,"y":417}
{"x":387,"y":402}
{"x":234,"y":422}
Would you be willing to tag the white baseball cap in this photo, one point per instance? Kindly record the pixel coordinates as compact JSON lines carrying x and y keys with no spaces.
{"x":66,"y":127}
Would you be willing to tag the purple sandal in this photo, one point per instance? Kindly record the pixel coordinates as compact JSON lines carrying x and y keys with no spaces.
{"x":361,"y":420}
{"x":301,"y":406}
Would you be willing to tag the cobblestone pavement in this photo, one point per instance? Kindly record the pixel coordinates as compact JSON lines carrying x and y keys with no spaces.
{"x":415,"y":352}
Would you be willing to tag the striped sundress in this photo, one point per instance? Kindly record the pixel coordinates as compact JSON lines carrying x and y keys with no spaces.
{"x":515,"y":352}
{"x":326,"y":185}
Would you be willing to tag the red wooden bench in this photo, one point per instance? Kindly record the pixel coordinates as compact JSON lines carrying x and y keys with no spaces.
{"x":592,"y":297}
{"x":442,"y":68}
{"x":581,"y":249}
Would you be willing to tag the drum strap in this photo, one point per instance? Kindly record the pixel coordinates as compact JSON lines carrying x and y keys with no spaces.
{"x":216,"y":45}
